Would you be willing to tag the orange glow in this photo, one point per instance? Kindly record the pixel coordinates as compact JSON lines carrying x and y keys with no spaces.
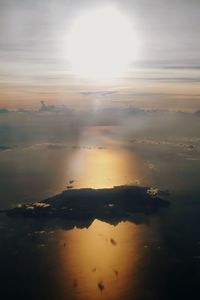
{"x":104,"y":168}
{"x":91,"y":258}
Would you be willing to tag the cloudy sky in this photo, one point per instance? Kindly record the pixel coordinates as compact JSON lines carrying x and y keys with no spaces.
{"x":34,"y":65}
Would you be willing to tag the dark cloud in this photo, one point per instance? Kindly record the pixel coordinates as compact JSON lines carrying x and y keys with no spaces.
{"x":4,"y":110}
{"x":5,"y":148}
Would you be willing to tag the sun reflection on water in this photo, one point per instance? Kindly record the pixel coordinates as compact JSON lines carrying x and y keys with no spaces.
{"x":98,"y":262}
{"x":99,"y":168}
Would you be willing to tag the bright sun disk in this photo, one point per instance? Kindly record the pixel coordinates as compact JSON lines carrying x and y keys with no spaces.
{"x":100,"y":44}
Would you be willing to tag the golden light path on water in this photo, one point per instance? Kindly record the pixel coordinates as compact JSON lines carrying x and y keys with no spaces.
{"x":103,"y":168}
{"x":102,"y":254}
{"x":100,"y":261}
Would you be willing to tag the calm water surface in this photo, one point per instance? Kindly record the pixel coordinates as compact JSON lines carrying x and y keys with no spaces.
{"x":154,"y":258}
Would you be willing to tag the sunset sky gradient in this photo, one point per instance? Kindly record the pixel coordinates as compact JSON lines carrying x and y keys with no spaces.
{"x":34,"y":64}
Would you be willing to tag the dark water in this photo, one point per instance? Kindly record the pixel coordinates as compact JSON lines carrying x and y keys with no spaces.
{"x":157,"y":258}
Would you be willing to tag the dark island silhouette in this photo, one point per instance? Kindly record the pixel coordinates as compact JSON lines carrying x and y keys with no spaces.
{"x":112,"y":205}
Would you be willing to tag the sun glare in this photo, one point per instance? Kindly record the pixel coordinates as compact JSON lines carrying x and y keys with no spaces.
{"x":100,"y":44}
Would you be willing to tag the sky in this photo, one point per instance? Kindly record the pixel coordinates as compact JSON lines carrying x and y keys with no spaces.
{"x":34,"y":66}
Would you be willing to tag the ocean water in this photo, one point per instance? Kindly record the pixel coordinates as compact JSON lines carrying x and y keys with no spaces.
{"x":156,"y":257}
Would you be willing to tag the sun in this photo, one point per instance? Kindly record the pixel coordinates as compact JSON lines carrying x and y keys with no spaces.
{"x":100,"y":44}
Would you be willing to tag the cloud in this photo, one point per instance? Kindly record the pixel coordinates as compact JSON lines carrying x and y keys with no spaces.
{"x":53,"y":108}
{"x":98,"y":93}
{"x":4,"y":110}
{"x":55,"y":146}
{"x":5,"y":148}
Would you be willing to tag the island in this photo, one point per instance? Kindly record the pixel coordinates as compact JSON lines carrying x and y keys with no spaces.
{"x":119,"y":202}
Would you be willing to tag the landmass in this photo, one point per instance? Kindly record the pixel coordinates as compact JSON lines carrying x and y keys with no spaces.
{"x":119,"y":202}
